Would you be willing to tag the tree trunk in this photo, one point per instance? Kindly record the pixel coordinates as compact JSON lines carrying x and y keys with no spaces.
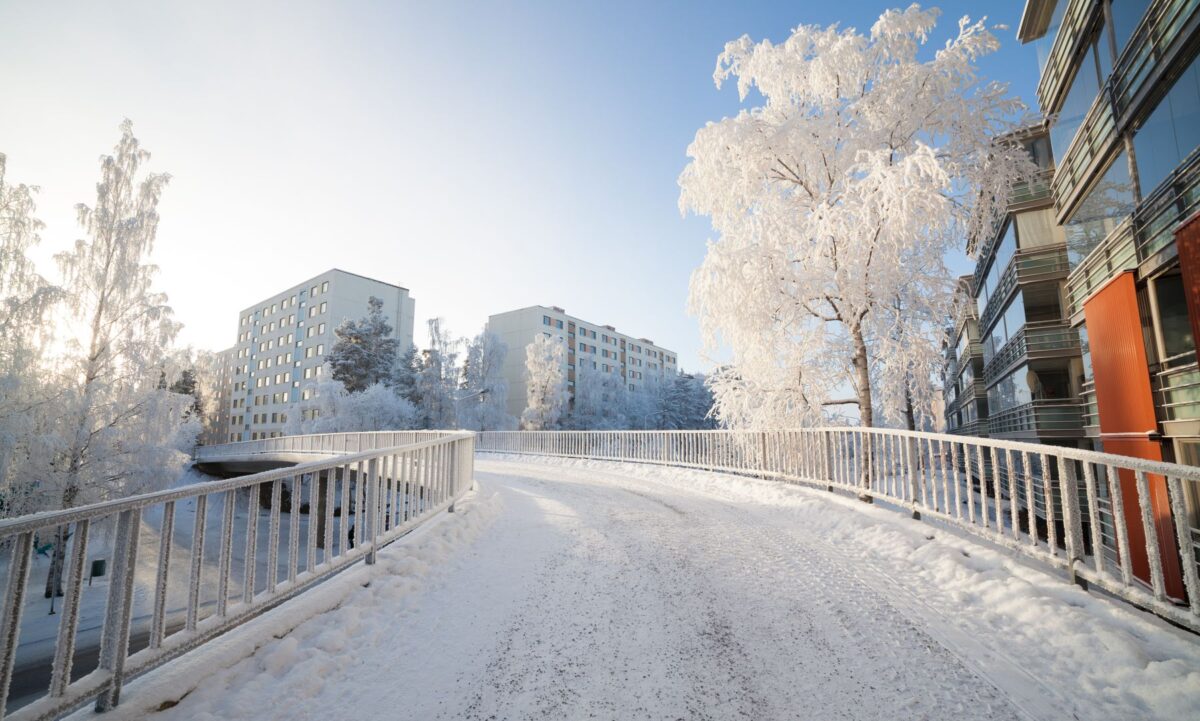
{"x":910,"y":415}
{"x":58,"y":556}
{"x":862,"y":376}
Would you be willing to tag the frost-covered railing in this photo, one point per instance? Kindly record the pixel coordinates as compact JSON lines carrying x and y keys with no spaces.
{"x":316,"y":444}
{"x":1120,"y":523}
{"x":190,"y":563}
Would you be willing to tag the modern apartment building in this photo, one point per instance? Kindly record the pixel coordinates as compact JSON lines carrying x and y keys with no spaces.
{"x":637,"y":361}
{"x":282,"y":341}
{"x":1120,"y":86}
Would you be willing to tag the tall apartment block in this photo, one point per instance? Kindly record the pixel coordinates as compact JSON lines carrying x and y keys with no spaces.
{"x":216,"y":427}
{"x":636,"y":360}
{"x":282,"y":341}
{"x":1120,"y":87}
{"x":962,"y":375}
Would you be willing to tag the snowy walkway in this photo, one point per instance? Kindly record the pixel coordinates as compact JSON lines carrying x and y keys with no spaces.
{"x":568,"y":589}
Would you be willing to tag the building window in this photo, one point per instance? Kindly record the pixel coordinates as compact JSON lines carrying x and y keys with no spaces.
{"x":1094,"y":67}
{"x":325,"y":287}
{"x":1108,"y":203}
{"x":545,"y":320}
{"x":1171,"y":132}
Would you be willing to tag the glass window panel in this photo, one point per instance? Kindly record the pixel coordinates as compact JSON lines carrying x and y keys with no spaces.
{"x":1104,"y":207}
{"x":1036,"y":228}
{"x":1126,"y":14}
{"x":1082,"y":93}
{"x":1170,"y":133}
{"x":1173,"y":315}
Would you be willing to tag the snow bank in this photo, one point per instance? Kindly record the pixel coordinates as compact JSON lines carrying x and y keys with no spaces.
{"x":306,"y":636}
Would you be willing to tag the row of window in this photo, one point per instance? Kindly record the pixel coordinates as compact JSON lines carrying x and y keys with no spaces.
{"x":606,"y":339}
{"x":286,"y":303}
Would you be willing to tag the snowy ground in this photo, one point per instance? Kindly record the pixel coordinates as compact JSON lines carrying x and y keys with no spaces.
{"x":577,"y":589}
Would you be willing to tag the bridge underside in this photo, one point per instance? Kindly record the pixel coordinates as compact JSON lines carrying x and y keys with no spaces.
{"x":229,"y":467}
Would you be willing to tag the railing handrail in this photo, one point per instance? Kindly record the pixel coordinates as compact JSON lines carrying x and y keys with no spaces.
{"x":34,"y":521}
{"x":1012,"y":493}
{"x":372,"y":495}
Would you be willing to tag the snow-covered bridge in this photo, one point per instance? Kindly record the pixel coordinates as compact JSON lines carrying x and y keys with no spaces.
{"x":572,"y":587}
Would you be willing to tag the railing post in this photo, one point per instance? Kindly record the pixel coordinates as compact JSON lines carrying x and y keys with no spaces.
{"x":367,"y":514}
{"x":911,"y":458}
{"x":14,"y":601}
{"x":114,"y":639}
{"x":1074,"y":527}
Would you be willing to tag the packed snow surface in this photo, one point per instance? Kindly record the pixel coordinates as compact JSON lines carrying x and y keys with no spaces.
{"x":580,"y":589}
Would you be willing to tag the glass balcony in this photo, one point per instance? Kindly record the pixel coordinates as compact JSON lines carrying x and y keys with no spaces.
{"x":1040,"y":339}
{"x":1036,"y":190}
{"x":1089,"y":411}
{"x":1032,"y":265}
{"x":1178,"y":388}
{"x":1158,"y":31}
{"x":1040,"y":418}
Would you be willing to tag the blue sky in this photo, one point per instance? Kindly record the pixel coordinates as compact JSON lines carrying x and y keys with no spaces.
{"x":485,"y":156}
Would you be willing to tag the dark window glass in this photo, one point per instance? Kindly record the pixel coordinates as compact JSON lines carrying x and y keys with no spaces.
{"x":1170,"y":133}
{"x":1173,"y":315}
{"x":1126,"y":14}
{"x":1084,"y":88}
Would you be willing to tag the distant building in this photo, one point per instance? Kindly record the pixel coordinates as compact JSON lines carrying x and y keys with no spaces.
{"x":963,"y":391}
{"x":216,"y":421}
{"x":636,"y":361}
{"x":282,"y":341}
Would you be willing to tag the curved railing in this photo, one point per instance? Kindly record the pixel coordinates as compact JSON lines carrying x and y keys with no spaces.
{"x":251,"y":543}
{"x":1120,"y":523}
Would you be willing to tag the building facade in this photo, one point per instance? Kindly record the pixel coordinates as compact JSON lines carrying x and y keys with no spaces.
{"x":1120,"y":86}
{"x":282,"y":341}
{"x":216,"y":419}
{"x":962,"y":378}
{"x":637,"y":361}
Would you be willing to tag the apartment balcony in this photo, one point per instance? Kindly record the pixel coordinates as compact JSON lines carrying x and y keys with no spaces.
{"x":1144,"y":241}
{"x":977,"y":428}
{"x":1166,"y":26}
{"x":1115,"y":254}
{"x":1031,"y":265}
{"x":1041,"y":339}
{"x":1046,"y":418}
{"x":1177,"y":391}
{"x":1093,"y":141}
{"x":1089,"y":411}
{"x":1057,"y":72}
{"x":1035,"y":192}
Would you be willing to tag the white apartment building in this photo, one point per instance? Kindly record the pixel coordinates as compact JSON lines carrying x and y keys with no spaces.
{"x":216,"y":427}
{"x":635,"y":360}
{"x":282,"y":341}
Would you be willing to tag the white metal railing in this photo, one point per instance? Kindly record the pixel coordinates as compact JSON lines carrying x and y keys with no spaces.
{"x":1114,"y":521}
{"x":287,"y":530}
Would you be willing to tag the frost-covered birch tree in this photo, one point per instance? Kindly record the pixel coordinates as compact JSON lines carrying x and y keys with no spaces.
{"x":546,"y":384}
{"x":122,"y":430}
{"x":837,"y":197}
{"x":600,"y":400}
{"x":437,"y":379}
{"x":483,"y":399}
{"x":27,"y":395}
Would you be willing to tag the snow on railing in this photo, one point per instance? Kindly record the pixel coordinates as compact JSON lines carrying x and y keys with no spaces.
{"x":211,"y":534}
{"x":1120,"y":523}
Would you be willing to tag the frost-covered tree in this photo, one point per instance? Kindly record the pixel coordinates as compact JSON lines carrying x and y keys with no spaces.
{"x":686,"y":404}
{"x":437,"y":379}
{"x":404,"y":376}
{"x":835,"y":198}
{"x":365,"y":352}
{"x":27,"y":392}
{"x":483,"y":399}
{"x":333,"y":408}
{"x":600,"y":400}
{"x":122,"y":430}
{"x":546,"y":385}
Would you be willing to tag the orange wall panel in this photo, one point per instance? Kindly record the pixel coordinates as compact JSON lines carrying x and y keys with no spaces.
{"x":1187,"y":240}
{"x":1126,"y":407}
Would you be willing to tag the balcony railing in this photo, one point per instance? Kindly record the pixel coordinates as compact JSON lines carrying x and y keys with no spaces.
{"x":1038,"y":339}
{"x":1031,"y":265}
{"x":1115,"y":254}
{"x":1093,"y":141}
{"x":1176,"y":199}
{"x":1178,"y":388}
{"x":1150,"y":43}
{"x":1035,"y":190}
{"x":1079,"y":15}
{"x":1089,"y":411}
{"x":1041,"y":418}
